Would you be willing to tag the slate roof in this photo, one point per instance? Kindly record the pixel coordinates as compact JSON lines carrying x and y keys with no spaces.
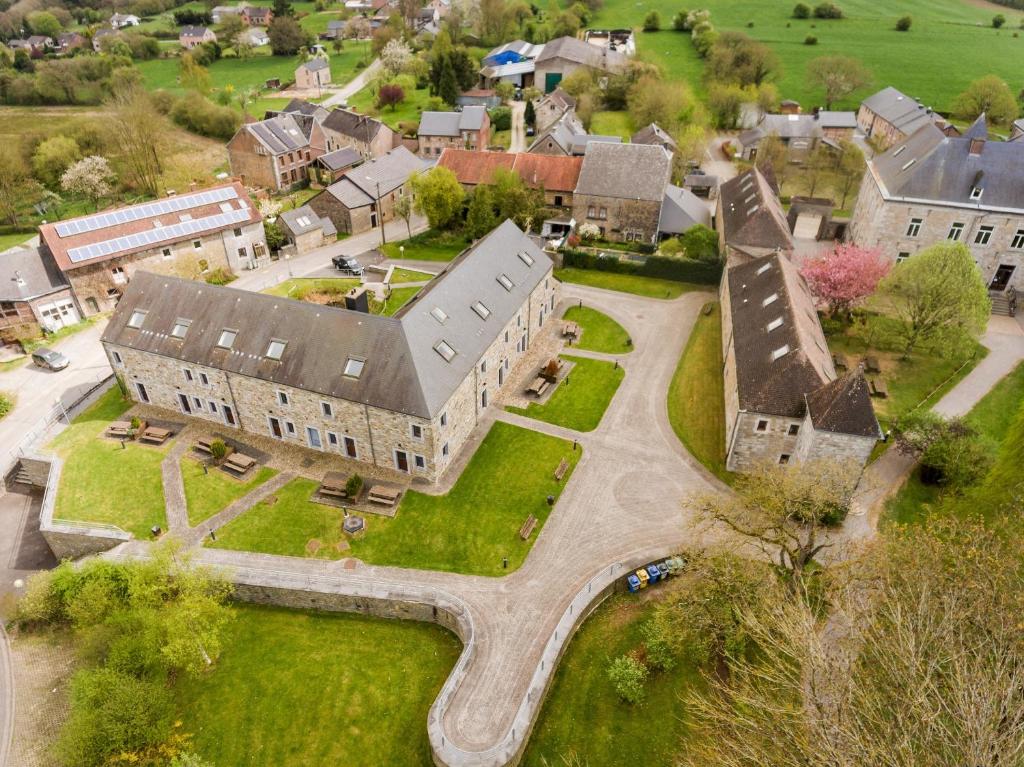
{"x":625,"y":171}
{"x":580,"y":52}
{"x":837,"y":119}
{"x":560,"y":98}
{"x":281,"y":133}
{"x":345,"y":157}
{"x":931,"y":166}
{"x":555,"y":173}
{"x":304,"y":219}
{"x":752,"y":219}
{"x":653,"y":134}
{"x":302,"y":107}
{"x":25,"y":273}
{"x":782,"y":368}
{"x":359,"y":186}
{"x":315,"y":65}
{"x":900,"y":110}
{"x":353,"y":124}
{"x":783,"y":126}
{"x":402,"y":372}
{"x":193,"y":31}
{"x":471,"y":118}
{"x":682,"y":210}
{"x":567,"y":128}
{"x":578,"y":145}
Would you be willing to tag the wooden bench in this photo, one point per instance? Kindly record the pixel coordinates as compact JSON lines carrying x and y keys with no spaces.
{"x":571,"y":330}
{"x":871,"y":364}
{"x":879,"y":389}
{"x":538,"y":387}
{"x":563,"y":466}
{"x":385,"y":496}
{"x":206,"y":446}
{"x":155,"y":435}
{"x":528,"y":527}
{"x":119,"y":429}
{"x":334,"y":485}
{"x":238,"y":464}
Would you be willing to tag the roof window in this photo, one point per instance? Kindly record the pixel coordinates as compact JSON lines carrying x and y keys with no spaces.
{"x":354,"y":367}
{"x":771,"y":299}
{"x":180,"y":328}
{"x":439,"y":314}
{"x":752,"y":211}
{"x":303,"y":221}
{"x":764,"y":268}
{"x":782,"y":351}
{"x":900,"y":151}
{"x":776,"y":323}
{"x":907,"y":164}
{"x":526,"y":258}
{"x":506,"y":282}
{"x":481,"y":310}
{"x":445,"y":350}
{"x":227,"y":338}
{"x":137,"y":318}
{"x":976,"y":192}
{"x":275,"y":349}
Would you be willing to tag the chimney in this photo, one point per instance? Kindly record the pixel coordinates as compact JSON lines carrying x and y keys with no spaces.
{"x":357,"y":300}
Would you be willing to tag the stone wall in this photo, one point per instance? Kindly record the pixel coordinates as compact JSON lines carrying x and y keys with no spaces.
{"x":247,"y":163}
{"x":73,"y":542}
{"x":641,"y":216}
{"x":751,"y":447}
{"x":816,"y":444}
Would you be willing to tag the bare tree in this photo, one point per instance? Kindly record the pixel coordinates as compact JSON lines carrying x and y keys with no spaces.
{"x":140,"y":131}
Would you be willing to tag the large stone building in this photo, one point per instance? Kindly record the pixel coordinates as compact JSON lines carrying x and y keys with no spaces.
{"x":370,"y":137}
{"x":565,"y":55}
{"x":933,"y":188}
{"x":403,"y":393}
{"x":890,"y":116}
{"x":468,"y":129}
{"x":784,"y":402}
{"x":187,"y":235}
{"x":315,"y":73}
{"x":750,"y":220}
{"x":621,"y":189}
{"x":276,"y":153}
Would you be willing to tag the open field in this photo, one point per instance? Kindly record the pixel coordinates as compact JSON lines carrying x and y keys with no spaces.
{"x":581,"y":398}
{"x":307,"y":688}
{"x":917,"y":62}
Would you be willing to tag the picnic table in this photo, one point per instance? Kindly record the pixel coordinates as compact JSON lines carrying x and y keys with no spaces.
{"x":571,"y":330}
{"x":155,"y":435}
{"x":879,"y":389}
{"x":238,"y":464}
{"x":206,"y":446}
{"x":539,"y":386}
{"x":384,"y":495}
{"x":871,"y":364}
{"x":333,"y":485}
{"x":119,"y":429}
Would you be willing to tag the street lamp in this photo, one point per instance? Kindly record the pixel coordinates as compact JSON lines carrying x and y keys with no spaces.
{"x":380,"y":211}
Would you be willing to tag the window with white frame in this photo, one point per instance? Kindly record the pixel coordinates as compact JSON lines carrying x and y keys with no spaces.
{"x":1018,"y":240}
{"x":956,"y":231}
{"x":227,"y":338}
{"x":902,"y":256}
{"x":419,"y":461}
{"x":984,"y":235}
{"x":282,"y":398}
{"x":180,"y":328}
{"x":137,"y":318}
{"x":354,"y":367}
{"x":416,"y":431}
{"x":914,"y":228}
{"x":118,"y":275}
{"x":332,"y":439}
{"x":213,"y":406}
{"x":289,"y":428}
{"x":275,"y":349}
{"x":198,"y":403}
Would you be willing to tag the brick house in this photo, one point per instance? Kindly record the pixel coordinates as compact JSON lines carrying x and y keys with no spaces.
{"x":191,"y":37}
{"x":930,"y":188}
{"x":185,"y":235}
{"x":750,"y":220}
{"x":315,"y":73}
{"x":276,"y":153}
{"x":256,"y":15}
{"x":468,"y":129}
{"x":34,"y":295}
{"x":621,"y":189}
{"x":784,"y":402}
{"x":364,"y":197}
{"x":890,"y":116}
{"x":403,"y":393}
{"x":557,"y":176}
{"x":368,"y":136}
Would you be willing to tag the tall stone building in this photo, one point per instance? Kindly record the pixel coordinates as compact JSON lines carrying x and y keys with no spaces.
{"x":784,"y":402}
{"x":402,"y":392}
{"x":930,"y":188}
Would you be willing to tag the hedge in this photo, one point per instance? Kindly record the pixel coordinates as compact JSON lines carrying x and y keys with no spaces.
{"x":677,"y":269}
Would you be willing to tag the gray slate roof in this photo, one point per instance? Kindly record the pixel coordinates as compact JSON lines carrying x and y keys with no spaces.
{"x":837,"y":119}
{"x":578,"y":144}
{"x":194,"y":31}
{"x":340,"y":158}
{"x":929,"y":165}
{"x":654,"y":134}
{"x":900,"y":110}
{"x":304,"y":219}
{"x":281,"y":133}
{"x":626,"y":171}
{"x":402,"y":371}
{"x":359,"y":186}
{"x":315,"y":65}
{"x":563,"y":132}
{"x":752,"y":216}
{"x":682,"y":210}
{"x":452,"y":123}
{"x":353,"y":124}
{"x":25,"y":273}
{"x":580,"y":52}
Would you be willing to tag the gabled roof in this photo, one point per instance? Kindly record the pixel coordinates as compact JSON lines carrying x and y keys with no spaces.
{"x":837,"y":119}
{"x":560,"y":99}
{"x":844,"y":406}
{"x":345,"y":157}
{"x":654,"y":134}
{"x":682,"y":210}
{"x":578,"y":144}
{"x":375,"y":179}
{"x":626,"y":171}
{"x":567,"y":128}
{"x":451,"y":124}
{"x":352,"y":124}
{"x":194,"y":31}
{"x":553,"y":172}
{"x":752,"y":218}
{"x":577,"y":51}
{"x":472,"y":168}
{"x":304,"y":219}
{"x":301,"y":107}
{"x":315,"y":65}
{"x":25,"y":273}
{"x":903,"y":112}
{"x":281,"y":133}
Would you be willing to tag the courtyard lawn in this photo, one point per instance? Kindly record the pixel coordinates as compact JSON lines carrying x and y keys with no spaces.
{"x":583,"y":722}
{"x":407,"y":112}
{"x":914,"y":62}
{"x":598,"y":331}
{"x":696,"y":400}
{"x":467,"y":530}
{"x":400,"y":275}
{"x":650,"y":287}
{"x":209,"y":493}
{"x":431,"y":245}
{"x":303,"y":689}
{"x":300,"y":287}
{"x":399,"y":297}
{"x":581,"y":398}
{"x":101,"y":482}
{"x":612,"y":124}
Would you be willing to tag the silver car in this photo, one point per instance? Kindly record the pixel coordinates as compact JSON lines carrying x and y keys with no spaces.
{"x":49,"y":359}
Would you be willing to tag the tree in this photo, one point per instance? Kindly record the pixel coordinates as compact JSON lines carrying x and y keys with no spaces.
{"x":903,"y":23}
{"x":282,"y":8}
{"x":192,"y":75}
{"x":395,"y":56}
{"x":438,"y":196}
{"x":828,"y":11}
{"x":998,"y":20}
{"x":691,"y":148}
{"x":701,"y":244}
{"x":53,"y":156}
{"x":773,"y":158}
{"x":43,"y":23}
{"x":816,"y":166}
{"x":90,"y":177}
{"x":850,"y":168}
{"x":838,"y":76}
{"x":801,"y":11}
{"x":654,"y":100}
{"x":679,"y":22}
{"x":513,"y":199}
{"x":230,"y":27}
{"x":726,"y":105}
{"x":493,"y":20}
{"x":448,"y":86}
{"x":737,"y":59}
{"x":480,"y":217}
{"x":403,"y":209}
{"x":950,"y":452}
{"x":628,"y":675}
{"x":286,"y":36}
{"x":17,"y":190}
{"x":783,"y":510}
{"x":845,"y":275}
{"x":652,"y":22}
{"x":530,"y":114}
{"x":141,"y":132}
{"x":989,"y":96}
{"x":390,"y":95}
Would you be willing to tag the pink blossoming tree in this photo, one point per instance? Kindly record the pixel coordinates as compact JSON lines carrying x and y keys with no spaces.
{"x":845,"y":275}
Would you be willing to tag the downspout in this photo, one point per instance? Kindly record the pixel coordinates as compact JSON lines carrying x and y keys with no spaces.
{"x":369,"y":432}
{"x":234,"y":405}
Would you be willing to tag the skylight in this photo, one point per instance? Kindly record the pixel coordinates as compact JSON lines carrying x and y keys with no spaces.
{"x":275,"y":349}
{"x":907,"y":164}
{"x":227,"y":338}
{"x":764,"y":268}
{"x":354,"y":367}
{"x":303,"y":221}
{"x":899,"y":151}
{"x":445,"y":350}
{"x":137,"y":318}
{"x":482,"y":310}
{"x":439,"y":314}
{"x":506,"y":282}
{"x":771,"y":299}
{"x":526,"y":258}
{"x":976,"y":192}
{"x":752,"y":211}
{"x":782,"y":351}
{"x":776,"y":323}
{"x":180,"y":328}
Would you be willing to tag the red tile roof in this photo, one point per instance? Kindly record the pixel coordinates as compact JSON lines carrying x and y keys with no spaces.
{"x":557,"y":174}
{"x":474,"y":168}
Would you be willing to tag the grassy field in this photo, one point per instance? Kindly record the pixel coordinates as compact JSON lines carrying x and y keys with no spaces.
{"x":581,"y":398}
{"x":696,"y":403}
{"x":307,"y":688}
{"x":583,"y":718}
{"x":101,"y":482}
{"x":916,"y":62}
{"x":300,"y":287}
{"x":206,"y":494}
{"x":598,"y":331}
{"x":467,"y":530}
{"x":612,"y":124}
{"x":428,"y":246}
{"x":400,"y":275}
{"x":8,"y":241}
{"x":408,"y":111}
{"x":650,"y":287}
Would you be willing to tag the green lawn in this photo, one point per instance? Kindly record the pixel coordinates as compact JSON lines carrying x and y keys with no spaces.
{"x":300,"y":287}
{"x":598,"y":331}
{"x":612,"y":124}
{"x":431,"y":245}
{"x":915,"y":62}
{"x":580,"y":400}
{"x":400,"y":275}
{"x":467,"y":530}
{"x":582,"y":716}
{"x":303,"y":689}
{"x":650,"y":287}
{"x":8,"y":241}
{"x":399,"y":297}
{"x":696,"y":400}
{"x":408,"y":111}
{"x":207,"y":494}
{"x":101,"y":482}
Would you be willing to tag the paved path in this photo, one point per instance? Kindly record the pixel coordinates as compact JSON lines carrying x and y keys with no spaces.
{"x":195,"y":536}
{"x":518,"y":142}
{"x":174,"y":487}
{"x":351,"y":88}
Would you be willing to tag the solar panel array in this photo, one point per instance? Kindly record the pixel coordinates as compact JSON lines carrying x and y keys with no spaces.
{"x":159,"y":234}
{"x":147,"y":210}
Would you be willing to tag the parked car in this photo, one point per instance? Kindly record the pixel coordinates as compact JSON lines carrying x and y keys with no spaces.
{"x":529,"y":130}
{"x":347,"y":264}
{"x":48,"y":359}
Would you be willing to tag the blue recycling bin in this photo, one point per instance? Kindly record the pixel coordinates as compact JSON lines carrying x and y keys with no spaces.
{"x":632,"y":583}
{"x":653,"y":573}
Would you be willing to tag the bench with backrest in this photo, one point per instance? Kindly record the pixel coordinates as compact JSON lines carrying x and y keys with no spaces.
{"x":563,"y":466}
{"x":528,"y":527}
{"x":155,"y":435}
{"x":383,"y":495}
{"x":238,"y":464}
{"x":538,"y":387}
{"x":571,"y":330}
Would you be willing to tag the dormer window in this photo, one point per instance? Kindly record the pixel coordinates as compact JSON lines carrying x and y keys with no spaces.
{"x":481,"y":310}
{"x":771,"y":299}
{"x":227,"y":338}
{"x":752,"y":211}
{"x":776,"y":323}
{"x":439,"y":314}
{"x":505,"y":282}
{"x":976,"y":192}
{"x":782,"y":351}
{"x":180,"y":328}
{"x":526,"y":258}
{"x":137,"y":318}
{"x":445,"y":350}
{"x":354,"y":367}
{"x":275,"y":349}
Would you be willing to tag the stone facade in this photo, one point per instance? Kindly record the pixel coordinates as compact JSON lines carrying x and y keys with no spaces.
{"x":256,"y":166}
{"x":356,"y":220}
{"x":900,"y":229}
{"x":618,"y":219}
{"x":378,"y":146}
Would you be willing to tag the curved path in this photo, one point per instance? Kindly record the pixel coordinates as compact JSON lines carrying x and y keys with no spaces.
{"x":622,"y":507}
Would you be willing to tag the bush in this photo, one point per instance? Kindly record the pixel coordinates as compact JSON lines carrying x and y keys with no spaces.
{"x":652,"y":22}
{"x":701,"y":244}
{"x":628,"y":676}
{"x":810,"y":40}
{"x":955,"y":461}
{"x":678,"y":269}
{"x":998,"y":20}
{"x":220,"y":276}
{"x":903,"y":24}
{"x":184,"y":17}
{"x":828,"y":11}
{"x":354,"y":486}
{"x":135,"y":422}
{"x":6,"y":405}
{"x":501,"y":118}
{"x":200,"y":115}
{"x":801,"y":11}
{"x":218,"y":449}
{"x":589,"y":232}
{"x":659,"y":652}
{"x":679,"y":22}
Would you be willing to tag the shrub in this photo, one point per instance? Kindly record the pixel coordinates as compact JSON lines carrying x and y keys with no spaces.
{"x":589,"y":232}
{"x":998,"y":20}
{"x":652,"y":22}
{"x":220,"y":276}
{"x":135,"y":422}
{"x":801,"y":11}
{"x":202,"y":116}
{"x":679,"y":22}
{"x":658,"y":650}
{"x":390,"y":95}
{"x":955,"y":461}
{"x":701,"y":244}
{"x":354,"y":486}
{"x":678,"y":269}
{"x":6,"y":405}
{"x":828,"y":11}
{"x":501,"y":118}
{"x":218,"y":449}
{"x":628,"y":676}
{"x":671,"y":248}
{"x":810,"y":40}
{"x":903,"y":24}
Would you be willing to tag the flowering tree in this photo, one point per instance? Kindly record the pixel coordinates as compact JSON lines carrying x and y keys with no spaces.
{"x":90,"y":177}
{"x":845,"y":275}
{"x":395,"y":56}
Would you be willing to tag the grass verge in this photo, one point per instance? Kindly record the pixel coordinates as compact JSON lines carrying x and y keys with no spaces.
{"x":581,"y":398}
{"x":599,"y":332}
{"x":650,"y":287}
{"x":431,"y":245}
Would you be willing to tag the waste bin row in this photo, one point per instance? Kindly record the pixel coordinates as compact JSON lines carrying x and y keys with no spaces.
{"x":654,"y":572}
